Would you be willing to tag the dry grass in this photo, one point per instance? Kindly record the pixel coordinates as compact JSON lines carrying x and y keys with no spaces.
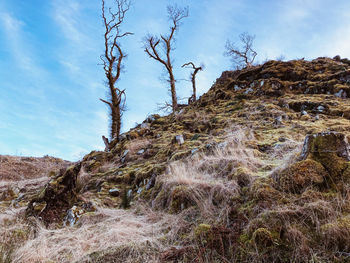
{"x":15,"y":168}
{"x":107,"y":228}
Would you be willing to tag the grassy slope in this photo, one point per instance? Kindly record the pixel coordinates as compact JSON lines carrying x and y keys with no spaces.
{"x":215,"y":197}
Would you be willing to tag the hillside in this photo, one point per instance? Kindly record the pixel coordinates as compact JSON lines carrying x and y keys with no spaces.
{"x":257,"y":170}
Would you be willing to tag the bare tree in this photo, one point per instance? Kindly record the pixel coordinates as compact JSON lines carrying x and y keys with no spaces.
{"x":112,"y":61}
{"x":242,"y":56}
{"x":154,"y":46}
{"x":193,"y":98}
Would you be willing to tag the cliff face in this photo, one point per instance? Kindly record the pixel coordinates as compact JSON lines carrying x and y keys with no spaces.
{"x":225,"y":179}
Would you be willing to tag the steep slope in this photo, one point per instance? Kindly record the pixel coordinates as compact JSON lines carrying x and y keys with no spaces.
{"x":225,"y":179}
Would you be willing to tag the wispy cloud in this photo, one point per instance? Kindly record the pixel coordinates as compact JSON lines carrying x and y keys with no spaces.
{"x":19,"y":46}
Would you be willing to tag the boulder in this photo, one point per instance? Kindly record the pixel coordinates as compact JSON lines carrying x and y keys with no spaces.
{"x":331,"y":149}
{"x":323,"y":163}
{"x":52,"y":202}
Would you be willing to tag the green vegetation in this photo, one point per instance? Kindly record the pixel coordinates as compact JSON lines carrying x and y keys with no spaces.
{"x":227,"y":178}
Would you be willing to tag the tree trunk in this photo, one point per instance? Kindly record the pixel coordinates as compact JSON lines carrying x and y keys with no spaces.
{"x":115,"y":114}
{"x":173,"y":92}
{"x":194,"y":88}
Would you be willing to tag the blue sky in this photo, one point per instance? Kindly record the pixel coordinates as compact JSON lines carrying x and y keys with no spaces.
{"x":50,"y":80}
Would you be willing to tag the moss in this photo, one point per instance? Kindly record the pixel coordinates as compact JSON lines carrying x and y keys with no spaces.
{"x":262,"y":238}
{"x":202,"y":230}
{"x":301,"y":175}
{"x":179,"y":199}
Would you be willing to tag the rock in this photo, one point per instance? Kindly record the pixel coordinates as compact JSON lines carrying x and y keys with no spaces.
{"x":59,"y":194}
{"x":222,"y":145}
{"x":123,"y":156}
{"x":331,"y":149}
{"x":297,"y":177}
{"x":72,"y":216}
{"x":193,"y":151}
{"x":317,"y":117}
{"x":248,"y":91}
{"x":114,"y":192}
{"x":140,"y":152}
{"x":236,"y":88}
{"x":278,"y":121}
{"x":145,"y":125}
{"x":303,"y":112}
{"x":325,"y":143}
{"x":179,"y":139}
{"x":152,"y":118}
{"x":151,"y":182}
{"x":340,"y":94}
{"x":129,"y":194}
{"x":321,"y":108}
{"x":282,"y":139}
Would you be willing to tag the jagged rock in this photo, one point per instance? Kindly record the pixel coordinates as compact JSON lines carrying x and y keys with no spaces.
{"x":58,"y":195}
{"x":322,"y":162}
{"x":325,"y":144}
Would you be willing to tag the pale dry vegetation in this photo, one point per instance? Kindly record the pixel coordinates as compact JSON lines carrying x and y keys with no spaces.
{"x":15,"y":168}
{"x":106,"y":229}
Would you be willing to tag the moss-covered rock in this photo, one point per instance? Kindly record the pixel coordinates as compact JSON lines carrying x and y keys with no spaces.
{"x":301,"y":175}
{"x":57,"y":197}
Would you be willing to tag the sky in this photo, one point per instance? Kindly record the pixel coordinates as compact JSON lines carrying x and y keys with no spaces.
{"x":51,"y":78}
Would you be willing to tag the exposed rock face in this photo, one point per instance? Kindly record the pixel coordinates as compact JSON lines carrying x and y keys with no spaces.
{"x":323,"y":161}
{"x":58,"y":196}
{"x":325,"y":144}
{"x":331,"y":149}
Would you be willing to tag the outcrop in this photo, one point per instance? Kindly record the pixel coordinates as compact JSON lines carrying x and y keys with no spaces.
{"x":256,"y":170}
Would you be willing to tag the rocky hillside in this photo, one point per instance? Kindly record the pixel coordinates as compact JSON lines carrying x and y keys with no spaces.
{"x":257,"y":170}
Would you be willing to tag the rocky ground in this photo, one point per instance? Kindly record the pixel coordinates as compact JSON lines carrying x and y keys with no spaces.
{"x":256,"y":170}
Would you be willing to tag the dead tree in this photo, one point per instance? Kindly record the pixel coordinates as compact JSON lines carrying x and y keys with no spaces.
{"x":112,"y":61}
{"x":154,"y":46}
{"x":242,"y":57}
{"x":193,"y":98}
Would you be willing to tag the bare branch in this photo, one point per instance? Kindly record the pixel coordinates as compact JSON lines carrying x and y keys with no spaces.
{"x":163,"y":56}
{"x":193,"y":98}
{"x":112,"y":60}
{"x":244,"y":56}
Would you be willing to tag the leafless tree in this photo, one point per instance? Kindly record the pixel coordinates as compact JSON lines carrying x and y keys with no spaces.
{"x":242,"y":56}
{"x":112,"y":61}
{"x":159,"y":48}
{"x":193,"y":98}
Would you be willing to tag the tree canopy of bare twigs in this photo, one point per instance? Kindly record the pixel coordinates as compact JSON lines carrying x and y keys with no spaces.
{"x":112,"y":59}
{"x":193,"y":98}
{"x":244,"y":56}
{"x":159,"y":48}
